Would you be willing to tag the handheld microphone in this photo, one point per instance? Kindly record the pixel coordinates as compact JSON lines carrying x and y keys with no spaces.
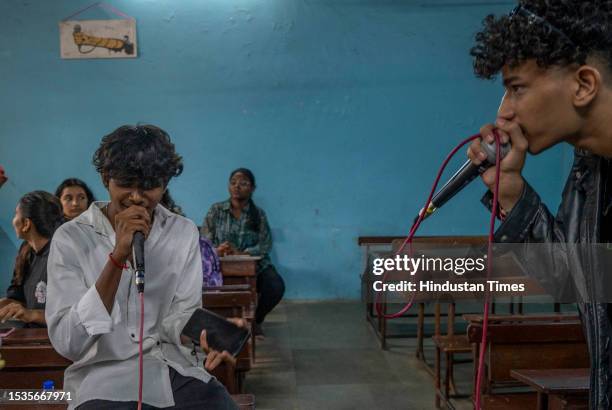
{"x":138,"y":258}
{"x":466,"y":174}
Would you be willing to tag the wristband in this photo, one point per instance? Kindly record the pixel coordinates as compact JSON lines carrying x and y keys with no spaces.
{"x":117,"y":264}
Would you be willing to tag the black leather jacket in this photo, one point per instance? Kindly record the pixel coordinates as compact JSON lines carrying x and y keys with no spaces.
{"x":578,"y":221}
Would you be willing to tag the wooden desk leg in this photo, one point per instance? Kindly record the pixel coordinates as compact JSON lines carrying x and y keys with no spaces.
{"x":451,"y":371}
{"x":475,"y":357}
{"x":447,"y":378}
{"x":253,"y":337}
{"x":383,"y":325}
{"x":437,"y":366}
{"x":542,"y":401}
{"x":420,"y":331}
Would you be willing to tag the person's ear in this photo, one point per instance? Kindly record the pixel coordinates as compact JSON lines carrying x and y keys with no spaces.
{"x":27,"y":226}
{"x":587,"y":83}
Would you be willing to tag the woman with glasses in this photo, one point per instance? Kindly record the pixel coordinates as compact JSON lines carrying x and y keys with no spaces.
{"x":238,"y":227}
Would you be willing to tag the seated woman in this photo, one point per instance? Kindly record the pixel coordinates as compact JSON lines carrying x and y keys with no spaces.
{"x":238,"y":227}
{"x":75,"y":197}
{"x":37,"y":216}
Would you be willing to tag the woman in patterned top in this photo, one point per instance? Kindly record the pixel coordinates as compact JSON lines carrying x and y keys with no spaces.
{"x":238,"y":227}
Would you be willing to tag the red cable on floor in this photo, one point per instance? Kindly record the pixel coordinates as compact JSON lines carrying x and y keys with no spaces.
{"x":416,"y":225}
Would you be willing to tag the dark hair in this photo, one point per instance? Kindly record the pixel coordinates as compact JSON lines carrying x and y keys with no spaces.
{"x":70,"y":182}
{"x":140,"y":155}
{"x":44,"y":210}
{"x":550,"y":32}
{"x":253,"y":217}
{"x":46,"y":213}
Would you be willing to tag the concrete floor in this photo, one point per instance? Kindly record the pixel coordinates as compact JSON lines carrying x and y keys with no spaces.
{"x":324,"y":355}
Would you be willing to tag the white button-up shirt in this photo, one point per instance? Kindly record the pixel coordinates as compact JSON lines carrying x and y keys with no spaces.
{"x":103,"y":347}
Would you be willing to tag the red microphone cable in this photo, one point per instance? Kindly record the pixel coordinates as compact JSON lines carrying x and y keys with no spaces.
{"x":485,"y":319}
{"x":416,"y":225}
{"x":491,"y":236}
{"x":140,"y":372}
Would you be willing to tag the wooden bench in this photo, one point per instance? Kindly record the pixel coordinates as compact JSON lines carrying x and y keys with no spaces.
{"x":241,"y":270}
{"x":387,"y":246}
{"x":557,"y":389}
{"x":232,"y":304}
{"x":450,"y":344}
{"x":519,"y":342}
{"x":30,"y":360}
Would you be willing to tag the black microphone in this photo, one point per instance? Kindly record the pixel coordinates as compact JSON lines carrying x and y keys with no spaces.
{"x":466,"y":174}
{"x":138,"y":258}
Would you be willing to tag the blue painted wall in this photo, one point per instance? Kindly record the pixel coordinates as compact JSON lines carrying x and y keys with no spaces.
{"x":342,"y":108}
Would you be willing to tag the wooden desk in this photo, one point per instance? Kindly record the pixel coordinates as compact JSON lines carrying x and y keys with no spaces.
{"x":228,"y":302}
{"x":386,"y":247}
{"x":478,"y":318}
{"x":541,"y":342}
{"x":239,"y":270}
{"x":30,"y":360}
{"x":556,"y":382}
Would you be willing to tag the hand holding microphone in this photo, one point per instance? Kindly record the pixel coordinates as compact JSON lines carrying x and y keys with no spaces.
{"x":511,"y":182}
{"x":482,"y":153}
{"x":127,"y":223}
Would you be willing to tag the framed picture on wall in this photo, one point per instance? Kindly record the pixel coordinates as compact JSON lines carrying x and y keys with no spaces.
{"x":98,"y":38}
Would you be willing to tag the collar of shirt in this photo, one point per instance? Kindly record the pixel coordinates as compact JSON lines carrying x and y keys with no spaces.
{"x":227,"y":206}
{"x":44,"y":251}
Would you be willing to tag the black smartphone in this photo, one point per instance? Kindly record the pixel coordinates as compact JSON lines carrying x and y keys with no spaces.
{"x":221,"y":334}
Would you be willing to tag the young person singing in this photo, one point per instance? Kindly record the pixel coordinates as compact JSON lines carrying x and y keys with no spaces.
{"x":555,"y":58}
{"x":93,"y":311}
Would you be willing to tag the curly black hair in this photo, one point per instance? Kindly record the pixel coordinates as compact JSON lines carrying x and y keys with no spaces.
{"x":141,"y":155}
{"x":551,"y":32}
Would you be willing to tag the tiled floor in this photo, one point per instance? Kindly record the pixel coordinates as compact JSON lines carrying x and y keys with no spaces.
{"x":324,"y":355}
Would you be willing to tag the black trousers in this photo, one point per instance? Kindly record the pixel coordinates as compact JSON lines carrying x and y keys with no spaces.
{"x":189,"y":394}
{"x":271,"y":288}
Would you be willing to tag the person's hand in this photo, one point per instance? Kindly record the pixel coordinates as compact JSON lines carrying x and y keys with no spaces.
{"x":225,"y":248}
{"x":511,"y":182}
{"x":14,"y":311}
{"x":133,"y":219}
{"x":213,"y":357}
{"x":238,"y":321}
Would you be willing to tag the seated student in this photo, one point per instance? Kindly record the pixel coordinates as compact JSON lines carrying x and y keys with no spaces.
{"x":75,"y":197}
{"x":238,"y":227}
{"x":37,"y":215}
{"x":93,"y":307}
{"x":211,"y":266}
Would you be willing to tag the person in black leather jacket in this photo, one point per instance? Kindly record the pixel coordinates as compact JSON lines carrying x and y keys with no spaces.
{"x":556,"y":62}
